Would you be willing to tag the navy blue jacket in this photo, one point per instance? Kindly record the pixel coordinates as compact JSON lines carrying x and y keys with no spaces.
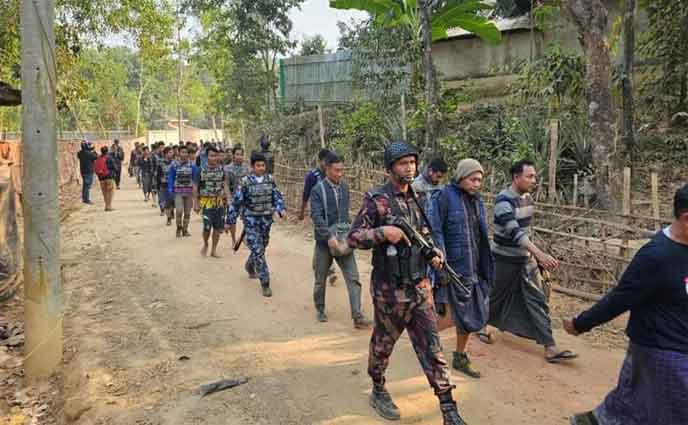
{"x":312,"y":178}
{"x":451,"y":230}
{"x":449,"y":221}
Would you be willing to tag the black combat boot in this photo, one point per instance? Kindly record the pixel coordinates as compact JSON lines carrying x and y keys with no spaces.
{"x":382,"y":402}
{"x":450,"y":414}
{"x":179,"y":232}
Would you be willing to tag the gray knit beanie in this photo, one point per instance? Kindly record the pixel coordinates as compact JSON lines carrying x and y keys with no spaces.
{"x":466,"y":167}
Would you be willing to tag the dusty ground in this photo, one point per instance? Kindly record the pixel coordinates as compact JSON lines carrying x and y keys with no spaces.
{"x":137,"y":300}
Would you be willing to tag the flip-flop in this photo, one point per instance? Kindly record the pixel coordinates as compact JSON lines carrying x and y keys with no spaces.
{"x":486,"y":337}
{"x":565,"y":355}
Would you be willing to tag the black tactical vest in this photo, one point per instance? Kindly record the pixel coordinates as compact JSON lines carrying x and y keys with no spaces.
{"x":184,"y":176}
{"x":165,"y":167}
{"x":400,"y":264}
{"x":212,"y":181}
{"x":258,"y":196}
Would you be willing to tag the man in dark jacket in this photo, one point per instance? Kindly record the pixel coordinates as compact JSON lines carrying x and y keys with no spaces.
{"x":312,"y":178}
{"x":117,"y":154}
{"x":653,"y":382}
{"x":87,"y":156}
{"x":330,"y":215}
{"x":459,"y":228}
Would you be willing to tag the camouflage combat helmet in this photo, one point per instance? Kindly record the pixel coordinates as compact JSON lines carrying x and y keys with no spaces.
{"x":397,"y":150}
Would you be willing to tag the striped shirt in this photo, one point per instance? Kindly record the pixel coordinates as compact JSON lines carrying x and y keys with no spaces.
{"x":513,"y":216}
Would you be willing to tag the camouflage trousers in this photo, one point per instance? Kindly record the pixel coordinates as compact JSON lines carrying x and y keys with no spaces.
{"x":257,"y":239}
{"x":419,"y":319}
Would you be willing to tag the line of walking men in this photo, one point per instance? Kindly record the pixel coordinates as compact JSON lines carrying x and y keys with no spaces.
{"x":410,"y":291}
{"x":409,"y":285}
{"x":217,"y":185}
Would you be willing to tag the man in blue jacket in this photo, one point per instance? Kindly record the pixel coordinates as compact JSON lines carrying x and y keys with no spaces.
{"x":330,"y":215}
{"x":312,"y":178}
{"x":653,"y":384}
{"x":459,"y":228}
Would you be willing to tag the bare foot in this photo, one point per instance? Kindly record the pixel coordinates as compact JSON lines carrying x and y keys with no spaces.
{"x":204,"y":251}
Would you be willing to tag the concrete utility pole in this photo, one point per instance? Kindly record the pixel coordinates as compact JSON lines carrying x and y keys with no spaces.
{"x":41,"y":208}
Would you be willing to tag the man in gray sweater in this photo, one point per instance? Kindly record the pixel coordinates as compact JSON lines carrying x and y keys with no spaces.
{"x":330,"y":214}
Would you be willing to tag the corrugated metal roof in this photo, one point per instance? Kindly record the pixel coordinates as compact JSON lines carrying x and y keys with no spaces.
{"x":503,"y":24}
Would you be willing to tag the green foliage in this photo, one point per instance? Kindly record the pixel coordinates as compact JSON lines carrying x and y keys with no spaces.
{"x":547,"y":15}
{"x":498,"y":136}
{"x":666,"y":43}
{"x":361,"y":131}
{"x":253,"y":33}
{"x":381,"y":58}
{"x":556,"y":76}
{"x":446,"y":15}
{"x":315,"y":45}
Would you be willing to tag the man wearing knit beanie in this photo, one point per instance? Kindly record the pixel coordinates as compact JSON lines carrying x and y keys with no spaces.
{"x":466,"y":167}
{"x":457,"y":216}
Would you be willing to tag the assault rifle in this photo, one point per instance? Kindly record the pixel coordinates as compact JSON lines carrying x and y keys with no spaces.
{"x":429,"y":251}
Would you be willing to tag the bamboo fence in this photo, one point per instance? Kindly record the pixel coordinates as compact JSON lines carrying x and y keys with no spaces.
{"x":593,"y":246}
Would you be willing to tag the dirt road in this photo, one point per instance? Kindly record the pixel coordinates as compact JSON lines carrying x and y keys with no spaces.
{"x":138,"y":301}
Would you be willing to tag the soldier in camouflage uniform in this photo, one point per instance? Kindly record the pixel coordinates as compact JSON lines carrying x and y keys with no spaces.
{"x":400,"y":289}
{"x":257,"y":199}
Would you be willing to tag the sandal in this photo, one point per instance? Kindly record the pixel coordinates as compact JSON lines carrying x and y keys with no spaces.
{"x":487,"y":337}
{"x":565,"y":355}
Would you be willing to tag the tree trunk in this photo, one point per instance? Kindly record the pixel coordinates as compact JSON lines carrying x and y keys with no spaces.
{"x":628,"y":136}
{"x":179,"y":80}
{"x":138,"y":103}
{"x":590,"y":18}
{"x":272,"y":80}
{"x":430,"y":100}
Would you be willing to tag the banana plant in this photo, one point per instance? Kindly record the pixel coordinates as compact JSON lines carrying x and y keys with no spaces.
{"x":446,"y":15}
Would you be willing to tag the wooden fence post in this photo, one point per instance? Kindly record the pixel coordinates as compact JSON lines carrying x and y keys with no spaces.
{"x":627,"y":193}
{"x":553,"y":157}
{"x":322,"y":126}
{"x":574,"y":201}
{"x":654,"y":181}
